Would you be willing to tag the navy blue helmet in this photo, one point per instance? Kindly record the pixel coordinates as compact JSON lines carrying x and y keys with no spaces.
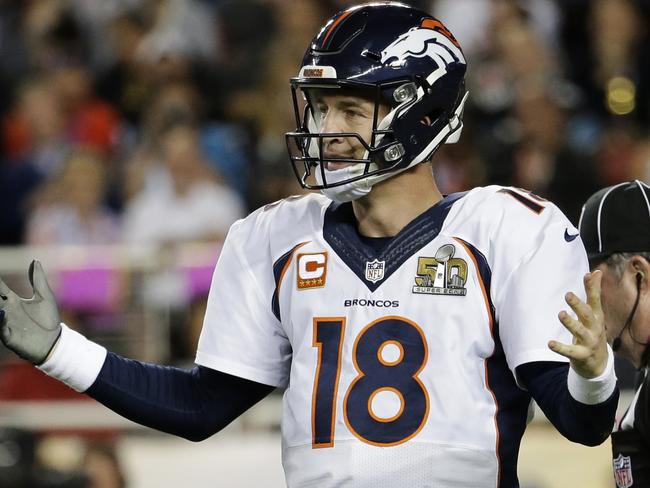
{"x":407,"y":60}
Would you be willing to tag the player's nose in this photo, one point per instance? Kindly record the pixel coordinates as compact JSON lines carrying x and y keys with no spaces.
{"x":332,"y":125}
{"x":333,"y":122}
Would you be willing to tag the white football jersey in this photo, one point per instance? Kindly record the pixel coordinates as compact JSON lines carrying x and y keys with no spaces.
{"x":399,"y":365}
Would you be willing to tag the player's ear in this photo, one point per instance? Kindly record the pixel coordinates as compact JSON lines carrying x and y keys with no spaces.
{"x":641,"y":268}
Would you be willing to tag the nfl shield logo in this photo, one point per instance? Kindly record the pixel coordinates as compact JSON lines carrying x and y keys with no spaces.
{"x":375,"y":270}
{"x":623,"y":471}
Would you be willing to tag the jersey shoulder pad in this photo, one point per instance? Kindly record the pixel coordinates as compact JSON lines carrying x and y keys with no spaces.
{"x":499,"y":214}
{"x":289,"y":219}
{"x":517,"y":206}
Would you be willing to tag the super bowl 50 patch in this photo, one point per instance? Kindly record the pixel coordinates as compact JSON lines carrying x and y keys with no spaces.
{"x":442,"y":274}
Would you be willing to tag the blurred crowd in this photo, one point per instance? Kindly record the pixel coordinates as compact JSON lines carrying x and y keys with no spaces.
{"x":30,"y":460}
{"x":162,"y":121}
{"x":560,"y":96}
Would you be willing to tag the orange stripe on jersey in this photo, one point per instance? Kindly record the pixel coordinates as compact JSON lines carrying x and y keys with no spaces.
{"x":438,"y":26}
{"x":485,"y":365}
{"x":287,"y":264}
{"x":330,"y":31}
{"x":480,"y":280}
{"x":496,"y":422}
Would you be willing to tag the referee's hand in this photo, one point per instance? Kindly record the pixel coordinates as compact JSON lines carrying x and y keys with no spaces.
{"x":30,"y":326}
{"x":588,"y":353}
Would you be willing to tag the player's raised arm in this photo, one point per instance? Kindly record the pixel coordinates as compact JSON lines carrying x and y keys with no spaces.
{"x":588,"y":353}
{"x":582,"y":401}
{"x":191,"y":404}
{"x":581,"y":407}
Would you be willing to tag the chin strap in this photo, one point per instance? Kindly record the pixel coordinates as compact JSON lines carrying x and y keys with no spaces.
{"x":456,"y":122}
{"x":645,"y":358}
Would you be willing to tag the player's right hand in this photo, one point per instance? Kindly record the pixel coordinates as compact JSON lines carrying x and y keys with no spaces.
{"x":588,"y":353}
{"x":30,"y":326}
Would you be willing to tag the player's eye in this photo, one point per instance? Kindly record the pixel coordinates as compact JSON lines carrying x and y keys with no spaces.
{"x":352,"y":114}
{"x":321,"y":108}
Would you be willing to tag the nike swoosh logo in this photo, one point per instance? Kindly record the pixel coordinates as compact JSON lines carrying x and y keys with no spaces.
{"x":569,"y":237}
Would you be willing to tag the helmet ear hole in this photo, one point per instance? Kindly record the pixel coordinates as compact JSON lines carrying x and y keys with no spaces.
{"x":430,"y":118}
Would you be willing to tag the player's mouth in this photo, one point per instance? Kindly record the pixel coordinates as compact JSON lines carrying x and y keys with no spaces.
{"x":329,"y":166}
{"x":334,"y":165}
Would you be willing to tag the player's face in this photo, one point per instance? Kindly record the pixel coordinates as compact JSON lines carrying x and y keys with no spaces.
{"x":338,"y":111}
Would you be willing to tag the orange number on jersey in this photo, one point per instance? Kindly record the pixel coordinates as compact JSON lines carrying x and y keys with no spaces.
{"x":530,"y":200}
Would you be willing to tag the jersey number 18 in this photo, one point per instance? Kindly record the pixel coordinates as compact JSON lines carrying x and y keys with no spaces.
{"x":376,"y":374}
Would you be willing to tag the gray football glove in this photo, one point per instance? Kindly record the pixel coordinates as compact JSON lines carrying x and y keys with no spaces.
{"x":30,"y":326}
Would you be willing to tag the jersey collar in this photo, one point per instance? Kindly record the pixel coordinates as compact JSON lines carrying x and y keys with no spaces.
{"x":340,"y":232}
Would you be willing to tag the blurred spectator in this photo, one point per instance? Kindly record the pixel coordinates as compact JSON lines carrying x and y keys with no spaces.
{"x":605,"y":48}
{"x":13,"y":55}
{"x":616,"y":154}
{"x":640,"y":168}
{"x":71,"y":209}
{"x":268,"y":106}
{"x":225,"y":145}
{"x":159,"y":63}
{"x":101,"y":467}
{"x":524,"y":109}
{"x":174,"y":103}
{"x":21,"y":468}
{"x":95,"y":18}
{"x":181,"y":29}
{"x":90,"y":121}
{"x":245,"y":44}
{"x":183,"y":202}
{"x":17,"y":183}
{"x":34,"y":132}
{"x":544,"y":163}
{"x":458,"y":168}
{"x":54,"y":113}
{"x":186,"y":329}
{"x":54,"y":37}
{"x":124,"y":82}
{"x":34,"y":148}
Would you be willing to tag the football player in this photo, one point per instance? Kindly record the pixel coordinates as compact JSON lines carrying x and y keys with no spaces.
{"x":409,"y":330}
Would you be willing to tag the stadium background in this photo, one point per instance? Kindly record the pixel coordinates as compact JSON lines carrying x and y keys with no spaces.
{"x":133,"y":132}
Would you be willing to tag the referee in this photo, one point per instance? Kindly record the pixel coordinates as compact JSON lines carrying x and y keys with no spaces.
{"x":615,"y":228}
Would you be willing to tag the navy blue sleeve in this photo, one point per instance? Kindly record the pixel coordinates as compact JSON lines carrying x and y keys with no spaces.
{"x":192,"y":404}
{"x":546,"y":381}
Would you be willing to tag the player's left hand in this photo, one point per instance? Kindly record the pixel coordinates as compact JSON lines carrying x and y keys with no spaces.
{"x":588,"y":353}
{"x":30,"y":326}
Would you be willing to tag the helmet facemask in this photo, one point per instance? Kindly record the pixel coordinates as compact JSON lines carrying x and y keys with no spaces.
{"x":307,"y":145}
{"x":384,"y":154}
